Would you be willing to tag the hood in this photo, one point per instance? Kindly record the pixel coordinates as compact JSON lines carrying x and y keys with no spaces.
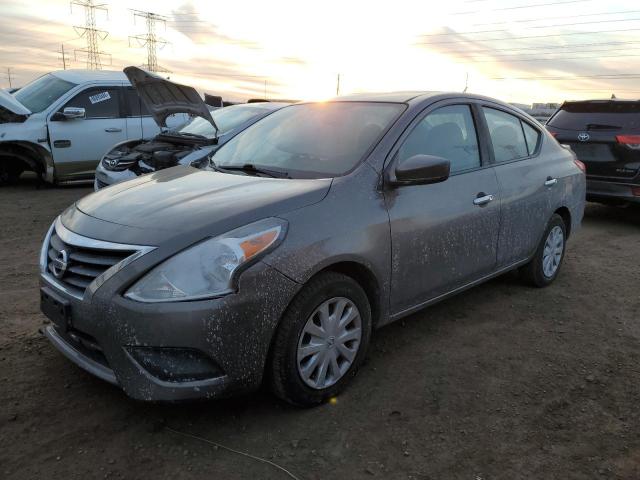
{"x":10,"y":103}
{"x":183,"y":200}
{"x":163,"y":98}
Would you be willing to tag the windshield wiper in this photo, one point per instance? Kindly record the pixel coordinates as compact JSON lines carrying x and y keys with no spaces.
{"x":250,"y":168}
{"x":602,"y":126}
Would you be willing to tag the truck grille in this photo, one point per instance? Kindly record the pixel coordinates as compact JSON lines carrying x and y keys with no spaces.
{"x":75,"y":266}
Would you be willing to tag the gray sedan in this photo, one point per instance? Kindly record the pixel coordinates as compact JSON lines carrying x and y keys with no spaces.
{"x":314,"y":226}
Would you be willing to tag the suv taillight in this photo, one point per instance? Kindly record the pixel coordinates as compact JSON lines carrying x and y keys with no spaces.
{"x":580,"y":165}
{"x":631,"y":141}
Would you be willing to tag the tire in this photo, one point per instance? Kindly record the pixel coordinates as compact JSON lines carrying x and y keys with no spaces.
{"x":534,"y":272}
{"x":293,"y":335}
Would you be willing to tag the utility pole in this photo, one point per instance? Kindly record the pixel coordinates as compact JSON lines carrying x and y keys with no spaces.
{"x":466,"y":83}
{"x":338,"y":86}
{"x":150,"y":39}
{"x":64,"y":57}
{"x":90,"y":32}
{"x":9,"y":76}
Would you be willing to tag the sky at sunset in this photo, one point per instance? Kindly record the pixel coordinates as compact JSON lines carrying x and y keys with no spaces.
{"x":516,"y":50}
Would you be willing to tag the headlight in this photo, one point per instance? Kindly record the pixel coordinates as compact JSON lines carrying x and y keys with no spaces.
{"x":207,"y":269}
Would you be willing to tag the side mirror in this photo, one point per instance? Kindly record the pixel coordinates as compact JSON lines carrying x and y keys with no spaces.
{"x":420,"y":170}
{"x":70,"y":113}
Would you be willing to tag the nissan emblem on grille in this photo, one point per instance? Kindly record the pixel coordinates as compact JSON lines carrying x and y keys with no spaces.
{"x":583,"y":136}
{"x":60,"y":263}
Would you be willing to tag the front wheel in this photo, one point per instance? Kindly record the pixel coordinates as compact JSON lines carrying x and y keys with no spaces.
{"x":543,"y":268}
{"x":321,"y":340}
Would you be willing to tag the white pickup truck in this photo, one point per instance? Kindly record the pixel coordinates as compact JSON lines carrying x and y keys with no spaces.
{"x":61,"y":124}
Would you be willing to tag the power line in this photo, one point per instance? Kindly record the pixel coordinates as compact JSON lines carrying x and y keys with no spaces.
{"x":535,"y":26}
{"x":150,"y":39}
{"x":556,"y":47}
{"x":528,"y":20}
{"x":90,"y":32}
{"x":613,"y":76}
{"x":555,"y":59}
{"x":521,"y":7}
{"x":527,"y":37}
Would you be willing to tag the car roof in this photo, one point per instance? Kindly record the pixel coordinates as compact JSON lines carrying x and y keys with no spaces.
{"x":384,"y":96}
{"x":83,"y":76}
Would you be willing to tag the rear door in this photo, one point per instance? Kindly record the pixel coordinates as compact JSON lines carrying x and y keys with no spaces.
{"x":444,"y":235}
{"x":529,"y":182}
{"x":605,"y":135}
{"x":79,"y":144}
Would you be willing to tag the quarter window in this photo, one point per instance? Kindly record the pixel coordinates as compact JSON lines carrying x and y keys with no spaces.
{"x":532,"y":136}
{"x":506,"y":134}
{"x":98,"y":102}
{"x":447,"y":132}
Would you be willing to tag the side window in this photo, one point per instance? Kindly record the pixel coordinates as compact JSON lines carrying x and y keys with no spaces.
{"x":103,"y":102}
{"x":532,"y":136}
{"x":506,"y":134}
{"x":135,"y":107}
{"x":447,"y":132}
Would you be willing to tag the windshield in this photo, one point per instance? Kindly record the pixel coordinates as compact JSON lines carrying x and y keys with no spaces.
{"x":226,"y":119}
{"x":39,"y":94}
{"x":312,"y":140}
{"x":597,"y":116}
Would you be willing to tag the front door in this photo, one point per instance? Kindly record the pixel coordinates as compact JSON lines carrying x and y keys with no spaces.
{"x":443,"y":235}
{"x":79,"y":144}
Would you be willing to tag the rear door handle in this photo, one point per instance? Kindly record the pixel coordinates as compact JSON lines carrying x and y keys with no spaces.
{"x":550,"y":182}
{"x":112,"y":130}
{"x":482,"y":199}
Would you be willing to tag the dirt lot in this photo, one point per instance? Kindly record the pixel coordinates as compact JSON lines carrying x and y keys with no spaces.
{"x":503,"y":381}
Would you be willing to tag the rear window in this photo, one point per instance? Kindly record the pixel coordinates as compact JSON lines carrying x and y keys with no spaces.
{"x":597,"y":116}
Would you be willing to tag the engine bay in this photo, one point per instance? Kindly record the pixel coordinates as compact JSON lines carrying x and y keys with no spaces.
{"x":146,"y":157}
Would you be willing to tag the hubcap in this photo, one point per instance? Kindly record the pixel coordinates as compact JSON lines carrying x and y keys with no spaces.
{"x":329,"y":342}
{"x":552,"y":253}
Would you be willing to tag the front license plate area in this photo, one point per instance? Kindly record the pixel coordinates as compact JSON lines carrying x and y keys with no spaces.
{"x":56,"y":308}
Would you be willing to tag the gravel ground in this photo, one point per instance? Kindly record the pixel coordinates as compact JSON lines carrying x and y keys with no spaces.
{"x":502,"y":382}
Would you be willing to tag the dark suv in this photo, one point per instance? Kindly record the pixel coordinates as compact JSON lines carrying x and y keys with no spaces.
{"x":605,"y":135}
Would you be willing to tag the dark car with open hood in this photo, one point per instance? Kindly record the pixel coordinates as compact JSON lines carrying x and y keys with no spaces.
{"x":303,"y":234}
{"x":605,"y":135}
{"x":189,"y":144}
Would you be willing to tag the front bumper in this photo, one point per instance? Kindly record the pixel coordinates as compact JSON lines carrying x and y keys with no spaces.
{"x":233,"y":333}
{"x":598,"y":190}
{"x":105,"y":177}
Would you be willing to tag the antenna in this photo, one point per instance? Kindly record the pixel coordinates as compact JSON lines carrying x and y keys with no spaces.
{"x":91,"y":33}
{"x":150,"y":39}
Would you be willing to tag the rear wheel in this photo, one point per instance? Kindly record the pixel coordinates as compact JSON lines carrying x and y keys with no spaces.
{"x":543,"y":268}
{"x":10,"y":171}
{"x":321,"y":340}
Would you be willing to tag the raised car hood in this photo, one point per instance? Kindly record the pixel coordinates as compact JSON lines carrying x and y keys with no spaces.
{"x":9,"y":102}
{"x":163,"y":98}
{"x":182,"y":201}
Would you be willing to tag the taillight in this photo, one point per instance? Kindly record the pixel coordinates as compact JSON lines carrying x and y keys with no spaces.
{"x":554,"y":134}
{"x":635,"y":191}
{"x":580,"y":165}
{"x":631,"y":141}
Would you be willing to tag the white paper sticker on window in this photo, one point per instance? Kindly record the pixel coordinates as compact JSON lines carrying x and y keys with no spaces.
{"x":99,"y":97}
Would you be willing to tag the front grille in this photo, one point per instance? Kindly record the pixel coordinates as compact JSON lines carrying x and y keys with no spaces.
{"x":75,"y":266}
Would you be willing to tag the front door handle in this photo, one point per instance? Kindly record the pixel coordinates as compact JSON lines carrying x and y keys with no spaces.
{"x":550,"y":182}
{"x":482,"y":199}
{"x":112,"y":130}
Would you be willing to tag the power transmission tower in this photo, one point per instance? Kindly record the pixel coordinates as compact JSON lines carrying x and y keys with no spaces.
{"x":91,"y":33}
{"x":9,"y":76}
{"x":150,"y":39}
